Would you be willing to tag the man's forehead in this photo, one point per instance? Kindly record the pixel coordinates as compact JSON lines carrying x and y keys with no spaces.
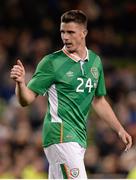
{"x":71,"y":25}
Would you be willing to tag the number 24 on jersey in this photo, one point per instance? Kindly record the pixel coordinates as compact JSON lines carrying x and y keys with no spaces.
{"x":88,"y":84}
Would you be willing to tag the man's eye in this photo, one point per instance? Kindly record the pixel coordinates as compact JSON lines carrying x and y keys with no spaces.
{"x":71,"y":32}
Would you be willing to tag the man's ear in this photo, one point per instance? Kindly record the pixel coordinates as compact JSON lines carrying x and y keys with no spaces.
{"x":85,"y":32}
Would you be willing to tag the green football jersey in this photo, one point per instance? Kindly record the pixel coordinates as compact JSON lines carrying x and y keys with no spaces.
{"x":70,"y":85}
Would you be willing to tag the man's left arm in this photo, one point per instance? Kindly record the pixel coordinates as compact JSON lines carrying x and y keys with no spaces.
{"x":105,"y":112}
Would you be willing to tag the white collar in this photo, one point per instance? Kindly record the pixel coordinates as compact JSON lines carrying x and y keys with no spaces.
{"x":75,"y":57}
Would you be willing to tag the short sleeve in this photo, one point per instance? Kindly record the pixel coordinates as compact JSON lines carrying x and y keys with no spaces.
{"x":43,"y":77}
{"x":101,"y":89}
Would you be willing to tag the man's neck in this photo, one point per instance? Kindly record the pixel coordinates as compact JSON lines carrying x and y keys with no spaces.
{"x":81,"y":52}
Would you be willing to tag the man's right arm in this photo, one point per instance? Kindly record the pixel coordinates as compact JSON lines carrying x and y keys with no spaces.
{"x":24,"y":94}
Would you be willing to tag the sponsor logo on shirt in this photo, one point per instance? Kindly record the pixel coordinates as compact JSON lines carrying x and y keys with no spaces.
{"x":70,"y":74}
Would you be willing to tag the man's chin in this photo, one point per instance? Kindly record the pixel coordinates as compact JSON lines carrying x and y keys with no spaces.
{"x":70,"y":49}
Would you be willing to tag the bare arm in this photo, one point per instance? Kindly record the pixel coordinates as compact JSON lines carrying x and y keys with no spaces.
{"x":24,"y":94}
{"x":104,"y":110}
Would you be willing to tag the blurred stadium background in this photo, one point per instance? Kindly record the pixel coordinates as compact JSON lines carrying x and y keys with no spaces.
{"x":29,"y":30}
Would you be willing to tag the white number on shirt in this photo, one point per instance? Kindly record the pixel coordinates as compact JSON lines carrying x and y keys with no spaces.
{"x":79,"y":89}
{"x":87,"y":85}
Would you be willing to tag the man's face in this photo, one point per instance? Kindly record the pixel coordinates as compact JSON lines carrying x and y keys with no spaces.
{"x":73,"y":35}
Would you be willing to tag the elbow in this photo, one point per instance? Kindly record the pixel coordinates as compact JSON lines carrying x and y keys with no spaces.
{"x":23,"y":103}
{"x":26,"y":99}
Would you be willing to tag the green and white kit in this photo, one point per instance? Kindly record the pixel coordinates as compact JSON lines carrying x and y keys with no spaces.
{"x":70,"y":84}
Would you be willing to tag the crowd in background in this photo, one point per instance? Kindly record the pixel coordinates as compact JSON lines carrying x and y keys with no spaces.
{"x":29,"y":30}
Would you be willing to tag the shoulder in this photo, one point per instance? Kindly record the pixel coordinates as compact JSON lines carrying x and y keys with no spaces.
{"x":50,"y":61}
{"x":94,"y":57}
{"x":49,"y":58}
{"x":54,"y":55}
{"x":95,"y":61}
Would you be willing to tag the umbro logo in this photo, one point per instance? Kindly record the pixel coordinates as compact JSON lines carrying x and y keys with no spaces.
{"x":70,"y":74}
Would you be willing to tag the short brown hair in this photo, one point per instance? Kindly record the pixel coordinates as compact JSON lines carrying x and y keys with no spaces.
{"x":76,"y":16}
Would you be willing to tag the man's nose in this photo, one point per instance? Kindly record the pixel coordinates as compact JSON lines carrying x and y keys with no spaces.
{"x":66,"y":36}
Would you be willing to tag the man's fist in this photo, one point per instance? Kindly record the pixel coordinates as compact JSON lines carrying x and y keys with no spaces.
{"x":18,"y":72}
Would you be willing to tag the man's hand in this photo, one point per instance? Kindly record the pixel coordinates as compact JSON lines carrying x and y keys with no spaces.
{"x":18,"y":72}
{"x":24,"y":94}
{"x":126,"y":138}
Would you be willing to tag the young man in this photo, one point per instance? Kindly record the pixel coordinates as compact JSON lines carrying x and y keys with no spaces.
{"x":73,"y":79}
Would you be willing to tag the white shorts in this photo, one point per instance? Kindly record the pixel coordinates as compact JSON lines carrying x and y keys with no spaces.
{"x":66,"y":161}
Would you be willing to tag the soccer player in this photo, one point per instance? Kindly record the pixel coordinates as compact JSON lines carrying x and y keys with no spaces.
{"x":73,"y":79}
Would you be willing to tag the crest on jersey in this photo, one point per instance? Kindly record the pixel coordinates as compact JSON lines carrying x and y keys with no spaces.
{"x":94,"y":72}
{"x":74,"y":172}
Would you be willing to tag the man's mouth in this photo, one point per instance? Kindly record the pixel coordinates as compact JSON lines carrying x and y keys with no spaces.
{"x":68,"y":44}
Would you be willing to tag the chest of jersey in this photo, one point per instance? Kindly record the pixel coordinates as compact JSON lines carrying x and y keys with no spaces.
{"x":78,"y":77}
